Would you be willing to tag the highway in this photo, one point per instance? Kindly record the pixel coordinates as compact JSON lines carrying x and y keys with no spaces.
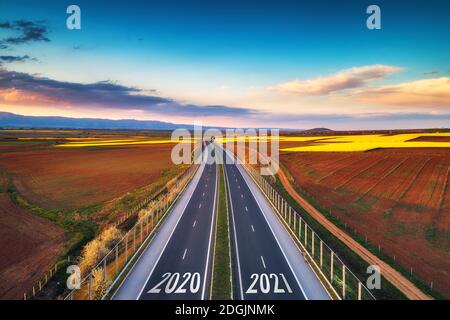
{"x":182,"y":270}
{"x":177,"y":262}
{"x":266,"y":263}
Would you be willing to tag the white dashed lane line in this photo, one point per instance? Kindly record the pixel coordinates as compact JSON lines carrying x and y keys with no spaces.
{"x":195,"y":222}
{"x":263,"y":263}
{"x":184,"y":254}
{"x":253,"y":229}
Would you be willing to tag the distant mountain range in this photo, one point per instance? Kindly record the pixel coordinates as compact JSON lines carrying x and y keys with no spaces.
{"x":15,"y":121}
{"x":11,"y":120}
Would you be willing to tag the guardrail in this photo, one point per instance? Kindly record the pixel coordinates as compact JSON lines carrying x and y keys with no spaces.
{"x":45,"y":278}
{"x":99,"y":279}
{"x":345,"y":284}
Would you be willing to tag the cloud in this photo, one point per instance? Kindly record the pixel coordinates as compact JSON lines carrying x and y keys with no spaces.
{"x":359,"y":117}
{"x":29,"y":31}
{"x":10,"y":59}
{"x":421,"y":93}
{"x":18,"y":87}
{"x":343,"y":80}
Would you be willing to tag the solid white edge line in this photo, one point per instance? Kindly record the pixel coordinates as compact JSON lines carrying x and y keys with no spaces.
{"x":276,"y":239}
{"x":279,"y":245}
{"x":210,"y":238}
{"x":172,"y":206}
{"x":235,"y":238}
{"x":168,"y":240}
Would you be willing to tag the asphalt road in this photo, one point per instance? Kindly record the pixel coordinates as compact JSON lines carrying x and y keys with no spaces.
{"x":260,"y":268}
{"x":183,"y":268}
{"x":177,"y":263}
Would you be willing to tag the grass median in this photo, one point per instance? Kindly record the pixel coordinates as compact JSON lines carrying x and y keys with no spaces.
{"x":221,"y":286}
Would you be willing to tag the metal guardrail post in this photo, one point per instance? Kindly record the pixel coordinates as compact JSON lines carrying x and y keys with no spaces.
{"x":343,"y":281}
{"x":104,"y":269}
{"x":117,"y":258}
{"x":126,"y":247}
{"x":359,"y":290}
{"x":290,"y":226}
{"x":90,"y":286}
{"x":312,"y":243}
{"x":331,"y":267}
{"x":300,"y":229}
{"x":306,"y":236}
{"x":321,"y":254}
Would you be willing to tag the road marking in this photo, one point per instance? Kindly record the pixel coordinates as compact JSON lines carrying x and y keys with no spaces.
{"x":270,"y":227}
{"x":246,"y":209}
{"x":239,"y":187}
{"x":184,"y":254}
{"x":170,"y":236}
{"x":253,"y":229}
{"x":203,"y":194}
{"x":242,"y":196}
{"x":276,"y":239}
{"x":200,"y":205}
{"x":235,"y":238}
{"x":262,"y":260}
{"x":210,"y":234}
{"x":195,"y":222}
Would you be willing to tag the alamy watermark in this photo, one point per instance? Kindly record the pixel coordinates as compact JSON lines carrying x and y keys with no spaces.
{"x":231,"y":146}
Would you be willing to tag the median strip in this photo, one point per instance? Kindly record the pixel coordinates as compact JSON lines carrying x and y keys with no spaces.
{"x":221,"y":286}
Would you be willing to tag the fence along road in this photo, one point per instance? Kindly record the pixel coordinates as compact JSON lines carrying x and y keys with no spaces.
{"x":181,"y":269}
{"x":266,"y":262}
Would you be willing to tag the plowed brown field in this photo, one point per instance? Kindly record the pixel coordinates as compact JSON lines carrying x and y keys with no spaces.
{"x":62,"y":179}
{"x":29,"y":246}
{"x":399,"y":199}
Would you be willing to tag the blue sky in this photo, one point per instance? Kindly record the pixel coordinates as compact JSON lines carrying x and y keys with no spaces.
{"x":275,"y":63}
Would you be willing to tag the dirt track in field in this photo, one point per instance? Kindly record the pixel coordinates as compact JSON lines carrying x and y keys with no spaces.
{"x":406,"y":286}
{"x":398,"y":199}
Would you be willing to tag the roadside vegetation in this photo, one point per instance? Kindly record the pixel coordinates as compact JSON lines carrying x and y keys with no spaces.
{"x":221,"y":286}
{"x":27,"y":173}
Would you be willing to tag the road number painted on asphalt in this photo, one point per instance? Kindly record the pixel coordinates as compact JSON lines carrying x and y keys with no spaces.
{"x":173,"y":279}
{"x":268,"y":283}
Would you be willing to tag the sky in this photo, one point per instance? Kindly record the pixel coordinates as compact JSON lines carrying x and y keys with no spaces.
{"x":281,"y":64}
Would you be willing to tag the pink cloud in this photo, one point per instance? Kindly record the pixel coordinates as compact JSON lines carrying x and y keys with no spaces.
{"x":420,"y":93}
{"x":343,"y":80}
